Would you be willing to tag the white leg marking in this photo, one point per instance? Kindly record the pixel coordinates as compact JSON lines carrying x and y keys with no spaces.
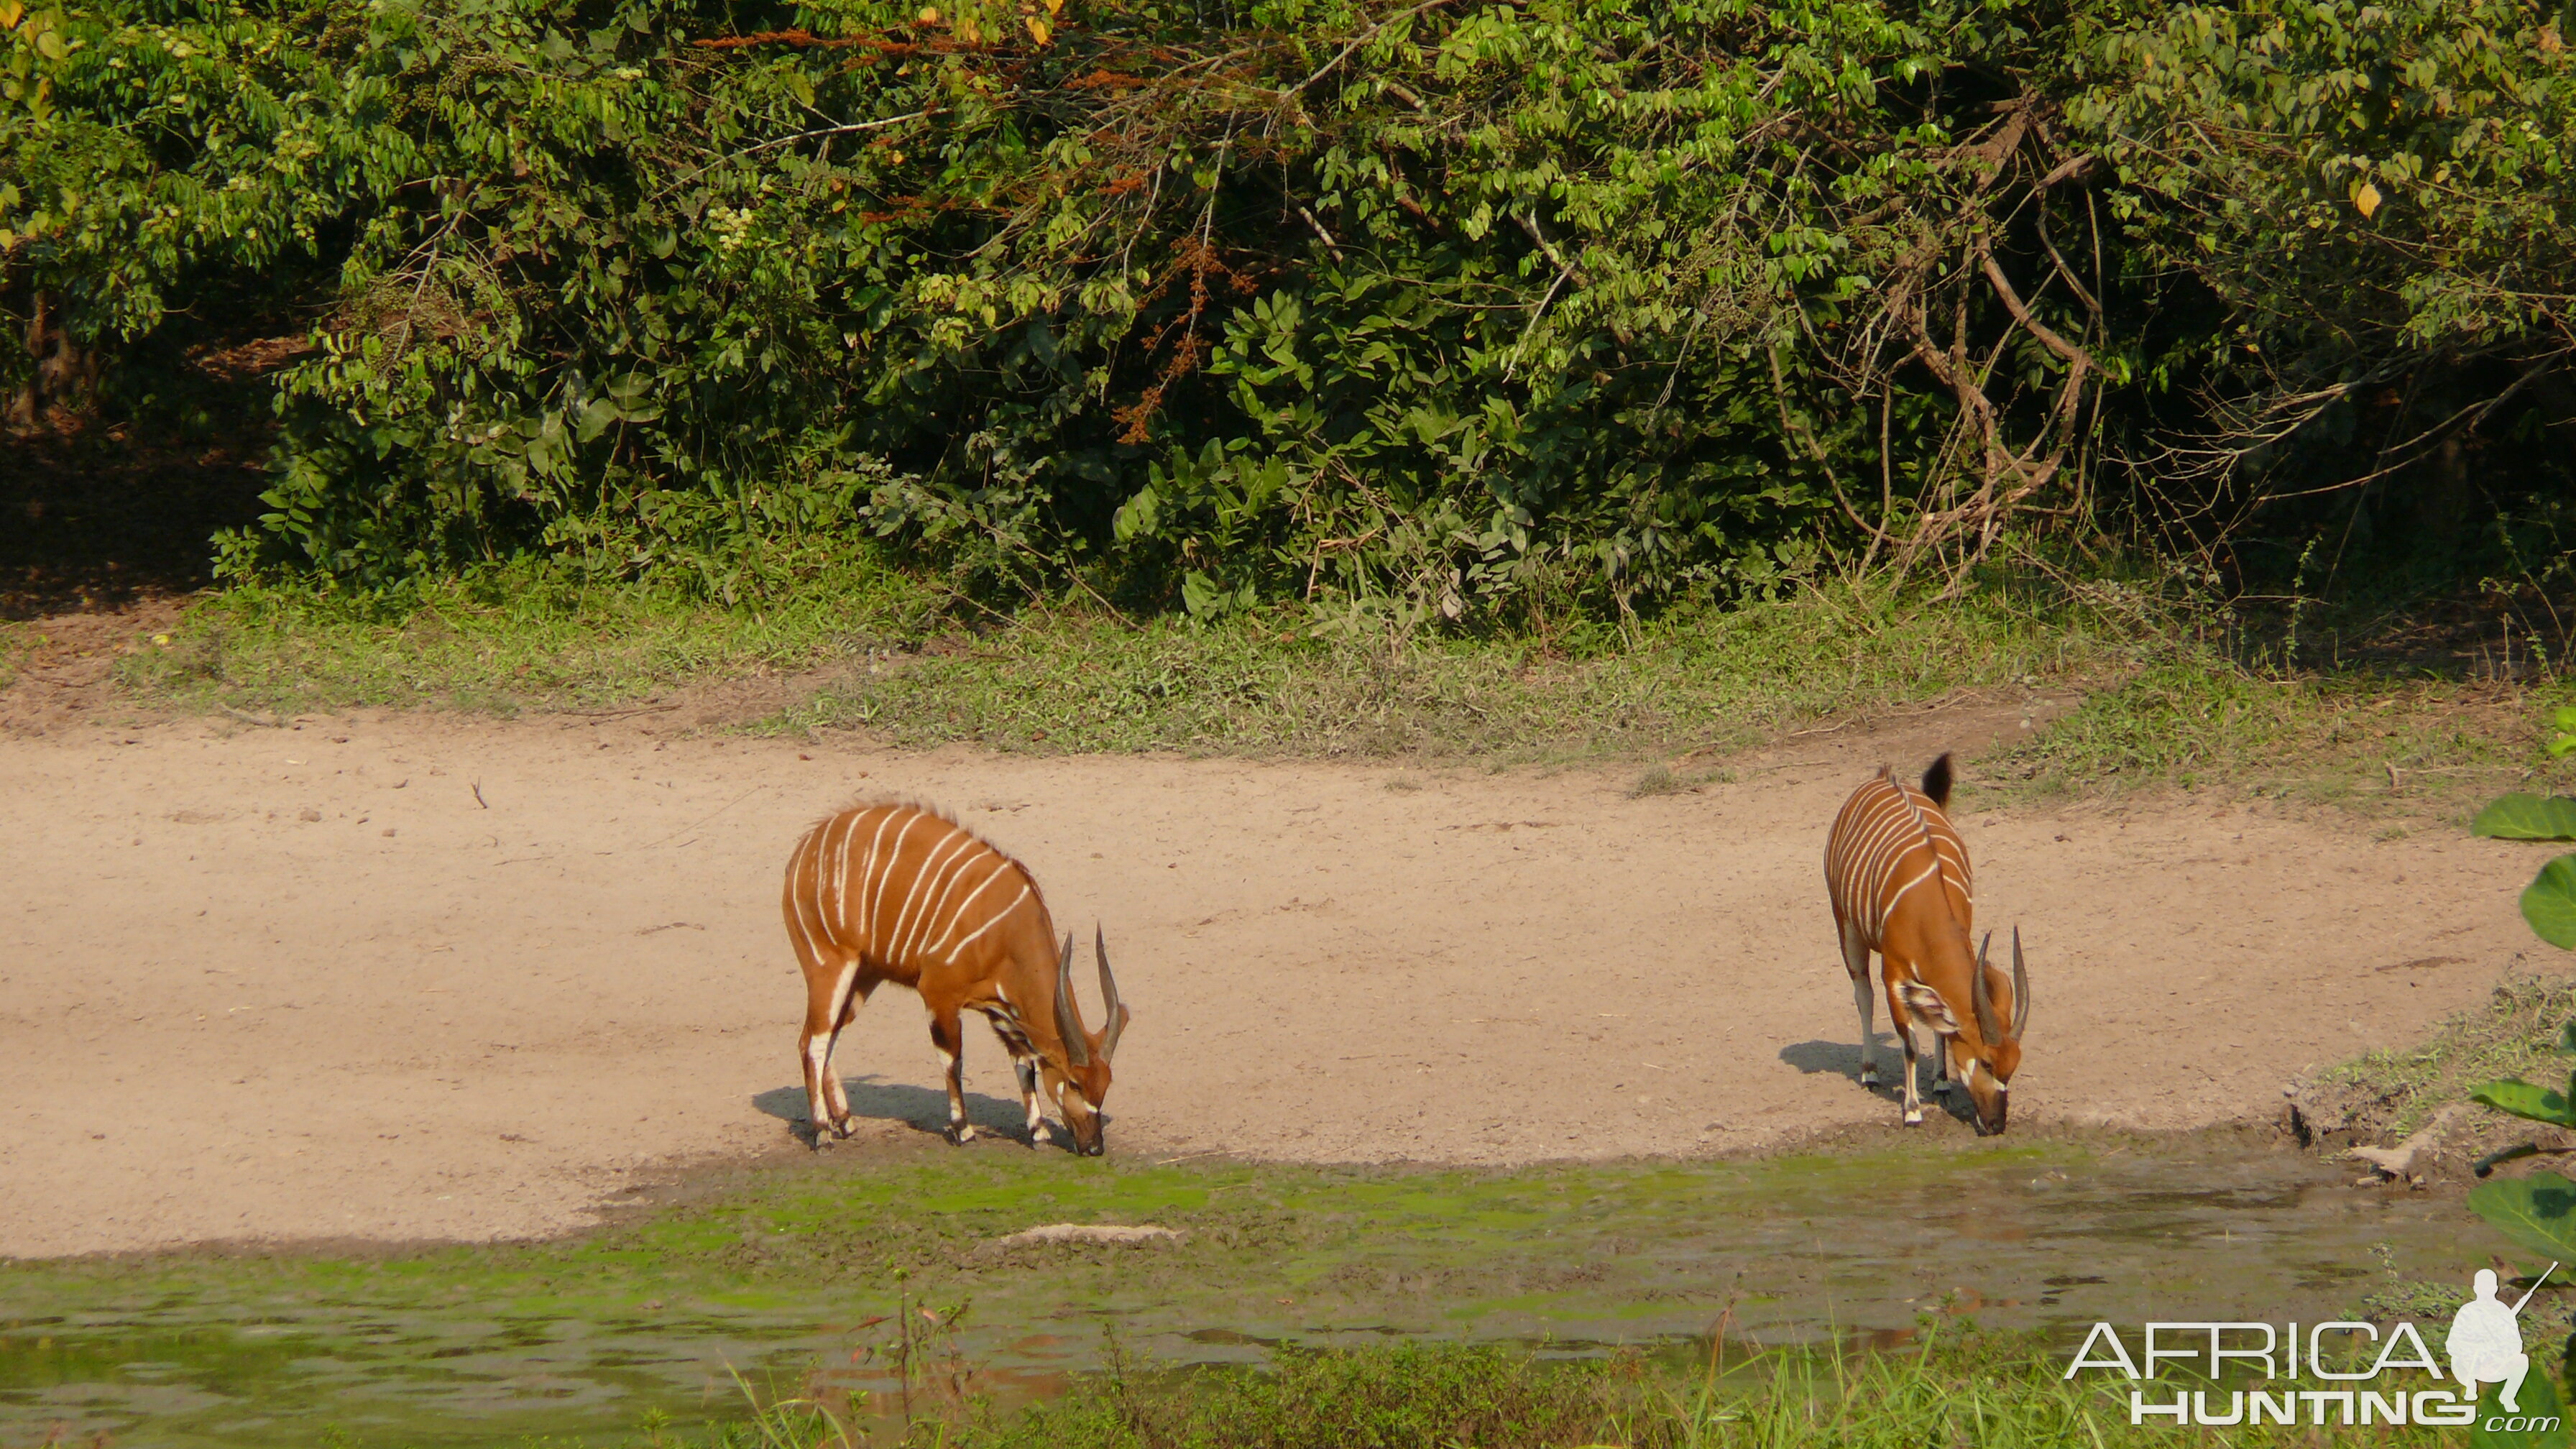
{"x":1866,"y":1001}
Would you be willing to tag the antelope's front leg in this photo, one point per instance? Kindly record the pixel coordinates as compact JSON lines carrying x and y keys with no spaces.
{"x":1903,"y":1020}
{"x":1014,"y":1038}
{"x":1027,"y":1067}
{"x":949,"y":1040}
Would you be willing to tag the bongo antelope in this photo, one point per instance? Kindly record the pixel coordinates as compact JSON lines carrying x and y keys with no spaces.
{"x":904,"y":894}
{"x":1898,"y":876}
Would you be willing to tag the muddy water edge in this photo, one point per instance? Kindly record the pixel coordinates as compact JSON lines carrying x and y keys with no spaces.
{"x":800,"y":1276}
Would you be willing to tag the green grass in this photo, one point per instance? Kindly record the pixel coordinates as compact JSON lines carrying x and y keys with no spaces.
{"x":1710,"y":680}
{"x":1961,"y":1387}
{"x":891,"y":654}
{"x":2192,"y":719}
{"x":514,"y":637}
{"x":2513,"y":1033}
{"x":17,"y":641}
{"x":863,"y":646}
{"x":809,"y":1276}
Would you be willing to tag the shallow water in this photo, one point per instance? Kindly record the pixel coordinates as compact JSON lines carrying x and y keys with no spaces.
{"x":780,"y":1277}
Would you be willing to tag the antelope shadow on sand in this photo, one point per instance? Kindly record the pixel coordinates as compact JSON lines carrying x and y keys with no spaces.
{"x":923,"y":1109}
{"x":1842,"y":1058}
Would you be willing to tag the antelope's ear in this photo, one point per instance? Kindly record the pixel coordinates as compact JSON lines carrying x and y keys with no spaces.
{"x":1927,"y":1006}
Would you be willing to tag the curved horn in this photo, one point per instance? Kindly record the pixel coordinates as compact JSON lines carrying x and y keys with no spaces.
{"x":2021,"y":988}
{"x":1981,"y":998}
{"x":1111,"y":1007}
{"x":1068,"y":1018}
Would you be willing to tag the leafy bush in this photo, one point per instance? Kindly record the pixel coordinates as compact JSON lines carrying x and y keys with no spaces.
{"x":1424,"y":312}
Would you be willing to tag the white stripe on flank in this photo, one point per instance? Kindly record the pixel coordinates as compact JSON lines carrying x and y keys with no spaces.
{"x":821,"y":884}
{"x":1886,"y":831}
{"x":958,"y":918}
{"x":892,"y":937}
{"x":991,"y":921}
{"x":823,"y":873}
{"x":876,"y":898}
{"x":939,"y":903}
{"x":841,"y":875}
{"x":1927,"y":873}
{"x":899,"y":941}
{"x":796,"y":894}
{"x":954,"y":875}
{"x":867,"y":873}
{"x":924,"y":899}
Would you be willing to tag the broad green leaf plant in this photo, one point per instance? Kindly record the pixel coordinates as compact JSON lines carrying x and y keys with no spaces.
{"x":2538,"y":1210}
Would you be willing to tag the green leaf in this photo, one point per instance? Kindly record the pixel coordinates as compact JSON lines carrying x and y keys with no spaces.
{"x":1137,"y":516}
{"x":596,"y":416}
{"x":2522,"y":1099}
{"x":1202,"y":596}
{"x":2549,"y":904}
{"x":2527,"y":817}
{"x":2538,"y":1212}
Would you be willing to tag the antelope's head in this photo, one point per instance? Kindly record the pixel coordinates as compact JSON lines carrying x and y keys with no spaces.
{"x":1081,"y":1081}
{"x":1985,"y":1065}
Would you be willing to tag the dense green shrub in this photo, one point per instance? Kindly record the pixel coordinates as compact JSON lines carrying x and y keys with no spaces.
{"x":1437,"y":310}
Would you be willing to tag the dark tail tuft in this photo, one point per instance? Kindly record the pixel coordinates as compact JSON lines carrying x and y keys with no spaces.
{"x":1936,"y":781}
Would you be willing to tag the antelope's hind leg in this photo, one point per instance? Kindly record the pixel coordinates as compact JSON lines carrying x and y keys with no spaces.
{"x":1856,"y":961}
{"x":833,"y":1088}
{"x":827,"y":992}
{"x":949,"y":1040}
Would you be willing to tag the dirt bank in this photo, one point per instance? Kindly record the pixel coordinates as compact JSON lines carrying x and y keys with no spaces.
{"x":407,"y":976}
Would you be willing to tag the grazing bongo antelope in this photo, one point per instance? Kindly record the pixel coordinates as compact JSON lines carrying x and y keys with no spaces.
{"x":899,"y":893}
{"x":1898,"y":875}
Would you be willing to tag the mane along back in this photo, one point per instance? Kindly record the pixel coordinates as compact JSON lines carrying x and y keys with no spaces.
{"x":901,"y":884}
{"x":1891,"y":839}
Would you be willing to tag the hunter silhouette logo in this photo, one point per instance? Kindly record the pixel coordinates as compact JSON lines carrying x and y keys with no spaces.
{"x":2486,"y":1342}
{"x":2483,"y":1347}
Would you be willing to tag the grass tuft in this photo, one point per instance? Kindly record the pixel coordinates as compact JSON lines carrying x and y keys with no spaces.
{"x":1995,"y":1391}
{"x":897,"y":657}
{"x":515,"y":636}
{"x":864,"y":646}
{"x":2194,"y":720}
{"x":2514,"y":1033}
